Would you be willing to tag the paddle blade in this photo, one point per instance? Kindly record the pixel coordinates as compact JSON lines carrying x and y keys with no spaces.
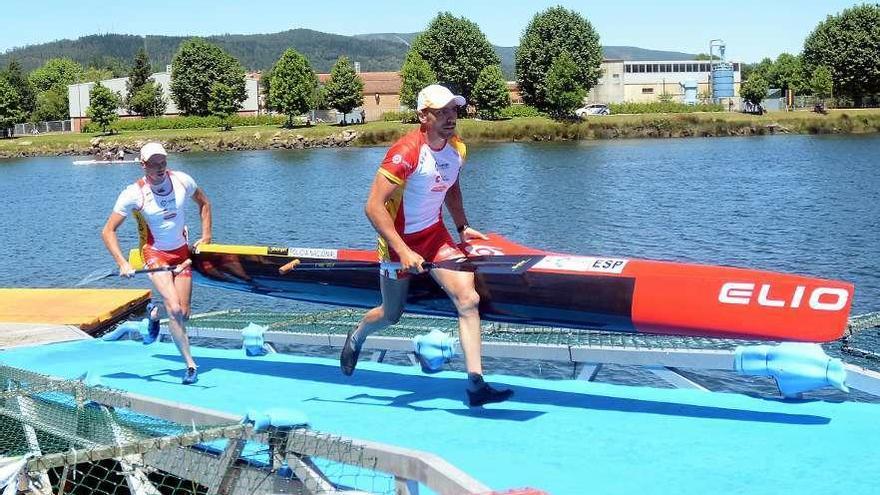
{"x":96,"y":275}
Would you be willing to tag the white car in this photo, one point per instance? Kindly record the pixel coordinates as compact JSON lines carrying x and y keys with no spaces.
{"x":593,"y":109}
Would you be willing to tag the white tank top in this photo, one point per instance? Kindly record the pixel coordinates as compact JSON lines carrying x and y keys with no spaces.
{"x":161,"y":218}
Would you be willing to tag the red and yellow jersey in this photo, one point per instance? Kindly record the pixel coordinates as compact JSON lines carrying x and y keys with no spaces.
{"x":424,"y":175}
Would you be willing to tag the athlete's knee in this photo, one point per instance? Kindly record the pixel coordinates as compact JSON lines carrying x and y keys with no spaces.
{"x":185,"y":310}
{"x":466,"y":300}
{"x":174,"y":310}
{"x":393,"y":316}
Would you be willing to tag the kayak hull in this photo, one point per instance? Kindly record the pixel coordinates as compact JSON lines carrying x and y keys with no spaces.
{"x":519,"y":284}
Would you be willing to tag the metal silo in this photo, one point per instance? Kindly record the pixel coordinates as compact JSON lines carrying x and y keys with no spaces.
{"x":722,"y":80}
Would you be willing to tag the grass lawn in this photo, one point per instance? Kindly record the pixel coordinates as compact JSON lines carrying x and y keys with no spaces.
{"x":517,"y":129}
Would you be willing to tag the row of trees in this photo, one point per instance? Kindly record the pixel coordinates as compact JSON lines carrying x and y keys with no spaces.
{"x":558,"y":61}
{"x":841,"y":57}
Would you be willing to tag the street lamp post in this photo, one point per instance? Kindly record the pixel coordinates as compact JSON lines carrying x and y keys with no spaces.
{"x":712,"y":44}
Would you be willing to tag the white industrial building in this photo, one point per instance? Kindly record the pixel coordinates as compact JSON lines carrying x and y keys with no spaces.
{"x":646,"y":81}
{"x":78,"y":97}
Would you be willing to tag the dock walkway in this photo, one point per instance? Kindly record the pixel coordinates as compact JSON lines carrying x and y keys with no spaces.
{"x":564,"y":437}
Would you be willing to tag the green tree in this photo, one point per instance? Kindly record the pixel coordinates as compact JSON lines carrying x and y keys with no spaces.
{"x":55,"y":74}
{"x":137,"y":78}
{"x":563,"y":91}
{"x":821,"y":83}
{"x":294,"y":86}
{"x":755,"y":89}
{"x":149,"y":100}
{"x":10,"y":107}
{"x":50,"y":83}
{"x":194,"y":70}
{"x":490,"y":93}
{"x":548,"y":35}
{"x":414,"y":75}
{"x":345,"y":89}
{"x":16,"y":78}
{"x":94,"y":74}
{"x":849,"y":45}
{"x":762,"y":68}
{"x":786,"y":73}
{"x":457,"y":51}
{"x":51,"y":105}
{"x":223,"y":103}
{"x":102,"y":107}
{"x":266,"y":87}
{"x":321,"y":98}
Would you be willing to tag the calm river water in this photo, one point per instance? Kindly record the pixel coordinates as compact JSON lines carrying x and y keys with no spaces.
{"x":802,"y":204}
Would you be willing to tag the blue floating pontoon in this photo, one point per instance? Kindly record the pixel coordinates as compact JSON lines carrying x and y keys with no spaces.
{"x":562,"y":436}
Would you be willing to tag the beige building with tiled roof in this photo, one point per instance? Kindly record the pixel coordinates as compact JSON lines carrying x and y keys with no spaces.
{"x":381,"y":92}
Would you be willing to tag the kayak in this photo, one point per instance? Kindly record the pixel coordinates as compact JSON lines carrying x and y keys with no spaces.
{"x":519,"y":284}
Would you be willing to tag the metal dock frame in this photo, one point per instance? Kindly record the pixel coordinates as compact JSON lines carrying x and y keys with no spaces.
{"x":222,"y":474}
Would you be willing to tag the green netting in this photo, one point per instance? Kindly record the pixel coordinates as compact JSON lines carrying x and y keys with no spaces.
{"x":79,"y":439}
{"x":858,"y":345}
{"x":339,"y":322}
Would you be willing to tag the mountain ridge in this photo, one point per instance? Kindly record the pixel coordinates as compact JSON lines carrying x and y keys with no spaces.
{"x":374,"y":51}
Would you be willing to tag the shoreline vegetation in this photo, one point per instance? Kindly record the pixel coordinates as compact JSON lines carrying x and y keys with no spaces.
{"x":525,"y":129}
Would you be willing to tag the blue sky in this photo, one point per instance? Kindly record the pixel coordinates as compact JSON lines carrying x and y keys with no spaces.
{"x":752,"y":29}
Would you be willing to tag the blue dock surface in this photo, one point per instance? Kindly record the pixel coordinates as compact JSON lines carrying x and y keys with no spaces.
{"x":564,"y":437}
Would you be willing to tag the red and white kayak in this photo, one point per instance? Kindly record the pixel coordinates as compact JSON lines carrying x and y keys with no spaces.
{"x":524,"y":285}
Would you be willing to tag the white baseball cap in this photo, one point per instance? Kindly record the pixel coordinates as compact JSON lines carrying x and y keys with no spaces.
{"x":437,"y":96}
{"x":150,"y":149}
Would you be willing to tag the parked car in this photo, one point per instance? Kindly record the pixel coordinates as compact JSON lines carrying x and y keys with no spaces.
{"x":593,"y":109}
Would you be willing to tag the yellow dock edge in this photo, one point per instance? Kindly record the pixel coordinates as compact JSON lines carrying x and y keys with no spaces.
{"x":91,"y":310}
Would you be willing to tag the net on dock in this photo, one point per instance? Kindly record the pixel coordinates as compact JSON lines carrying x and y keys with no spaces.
{"x":340,"y":321}
{"x":64,"y":437}
{"x":860,"y":344}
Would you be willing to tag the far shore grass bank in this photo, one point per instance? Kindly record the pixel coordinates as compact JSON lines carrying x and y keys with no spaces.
{"x":848,"y":121}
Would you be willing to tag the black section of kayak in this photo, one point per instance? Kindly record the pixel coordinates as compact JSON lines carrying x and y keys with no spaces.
{"x":508,"y":292}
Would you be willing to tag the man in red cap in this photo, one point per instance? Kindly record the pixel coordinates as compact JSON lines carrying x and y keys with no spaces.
{"x":158,"y":202}
{"x":419,"y":174}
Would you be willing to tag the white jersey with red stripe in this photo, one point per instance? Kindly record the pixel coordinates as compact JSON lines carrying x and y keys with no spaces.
{"x":424,"y":175}
{"x":161,"y":218}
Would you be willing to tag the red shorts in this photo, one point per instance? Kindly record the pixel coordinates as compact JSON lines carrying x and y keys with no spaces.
{"x":433,"y":244}
{"x":154,"y":258}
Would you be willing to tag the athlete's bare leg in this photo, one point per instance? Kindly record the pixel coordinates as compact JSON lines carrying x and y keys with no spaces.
{"x":460,"y":288}
{"x":165,"y":285}
{"x":394,"y":293}
{"x":183,"y":285}
{"x":388,"y":313}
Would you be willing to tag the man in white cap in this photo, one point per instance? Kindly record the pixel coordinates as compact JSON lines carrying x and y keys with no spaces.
{"x":419,"y":174}
{"x":158,"y":202}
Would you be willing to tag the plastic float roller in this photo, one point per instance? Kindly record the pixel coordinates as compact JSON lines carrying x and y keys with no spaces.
{"x":275,"y":418}
{"x":434,"y":350}
{"x":797,"y":367}
{"x":252,"y":340}
{"x":128,"y":328}
{"x":518,"y":491}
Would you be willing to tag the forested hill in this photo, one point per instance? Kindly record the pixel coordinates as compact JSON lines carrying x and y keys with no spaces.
{"x":375,"y":52}
{"x":254,"y":51}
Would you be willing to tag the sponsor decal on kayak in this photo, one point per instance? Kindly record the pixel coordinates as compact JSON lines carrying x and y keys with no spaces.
{"x":819,"y":298}
{"x":582,"y":264}
{"x":481,"y":250}
{"x":327,"y":254}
